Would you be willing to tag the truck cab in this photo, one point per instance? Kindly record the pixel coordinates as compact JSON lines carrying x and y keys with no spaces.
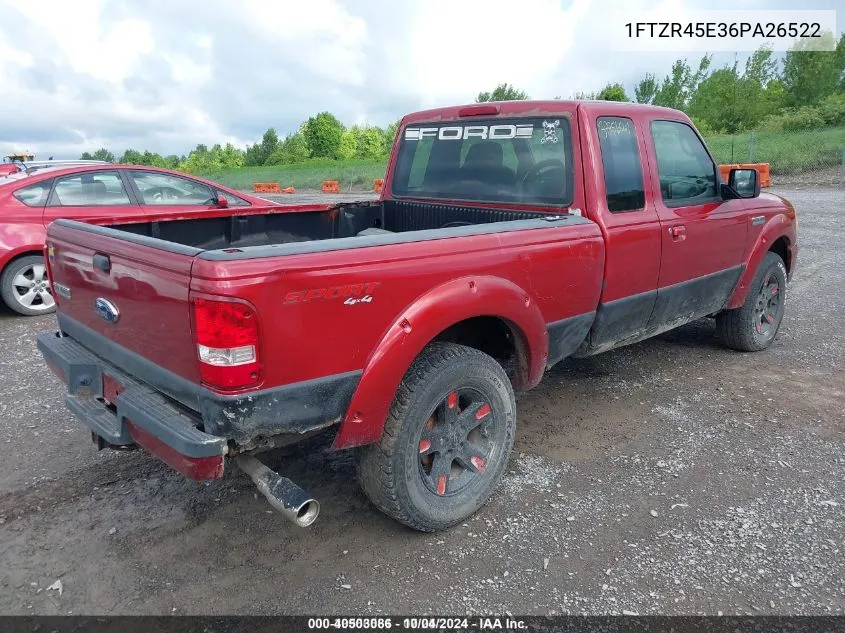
{"x":677,"y":238}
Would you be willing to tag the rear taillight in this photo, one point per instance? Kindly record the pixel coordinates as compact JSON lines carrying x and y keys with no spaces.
{"x":227,"y":343}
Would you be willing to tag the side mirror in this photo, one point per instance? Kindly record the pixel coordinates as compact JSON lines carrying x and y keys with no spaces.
{"x":745,"y":182}
{"x":222,"y":203}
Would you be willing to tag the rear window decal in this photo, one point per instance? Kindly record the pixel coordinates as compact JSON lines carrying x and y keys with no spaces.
{"x":463,"y":132}
{"x":550,"y":132}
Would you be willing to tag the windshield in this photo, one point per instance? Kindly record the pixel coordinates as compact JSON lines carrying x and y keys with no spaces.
{"x":524,"y":160}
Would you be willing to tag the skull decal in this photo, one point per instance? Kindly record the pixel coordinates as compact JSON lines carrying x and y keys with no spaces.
{"x":550,"y":132}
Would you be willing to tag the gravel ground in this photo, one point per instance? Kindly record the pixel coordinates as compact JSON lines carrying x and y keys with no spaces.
{"x":669,"y":477}
{"x":829,"y":176}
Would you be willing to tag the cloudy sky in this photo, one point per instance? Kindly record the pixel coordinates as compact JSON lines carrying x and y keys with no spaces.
{"x":165,"y":75}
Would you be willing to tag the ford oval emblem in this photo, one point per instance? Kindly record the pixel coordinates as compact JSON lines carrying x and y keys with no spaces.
{"x":106,"y":310}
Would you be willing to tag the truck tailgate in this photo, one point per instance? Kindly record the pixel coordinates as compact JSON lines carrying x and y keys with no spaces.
{"x":118,"y":292}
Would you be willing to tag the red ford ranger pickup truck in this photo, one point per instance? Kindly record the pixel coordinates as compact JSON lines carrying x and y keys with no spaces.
{"x":509,"y":236}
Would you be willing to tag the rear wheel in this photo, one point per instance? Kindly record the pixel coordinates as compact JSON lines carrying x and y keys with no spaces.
{"x":25,"y":287}
{"x":753,"y":326}
{"x":446,"y":442}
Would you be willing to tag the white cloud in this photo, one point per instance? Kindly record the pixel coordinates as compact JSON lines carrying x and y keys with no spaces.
{"x":91,"y":47}
{"x":320,"y":34}
{"x":165,"y":75}
{"x":13,"y":56}
{"x":461,"y":48}
{"x":187,"y":70}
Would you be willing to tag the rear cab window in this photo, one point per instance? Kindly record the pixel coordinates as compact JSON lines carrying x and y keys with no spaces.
{"x":526,"y":160}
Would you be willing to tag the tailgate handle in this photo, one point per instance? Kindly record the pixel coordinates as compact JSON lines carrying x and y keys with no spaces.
{"x":102,"y":262}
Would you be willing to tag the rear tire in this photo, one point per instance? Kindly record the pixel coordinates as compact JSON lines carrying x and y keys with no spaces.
{"x":25,"y":288}
{"x":753,"y":326}
{"x":446,"y":441}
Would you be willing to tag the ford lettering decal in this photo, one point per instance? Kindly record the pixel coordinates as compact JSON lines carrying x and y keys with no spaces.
{"x":106,"y":310}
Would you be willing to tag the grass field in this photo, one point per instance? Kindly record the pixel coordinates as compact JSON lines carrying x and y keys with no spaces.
{"x":787,"y":153}
{"x":352,"y":175}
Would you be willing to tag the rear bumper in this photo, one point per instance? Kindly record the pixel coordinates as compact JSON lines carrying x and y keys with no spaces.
{"x":246,"y":419}
{"x":137,"y":414}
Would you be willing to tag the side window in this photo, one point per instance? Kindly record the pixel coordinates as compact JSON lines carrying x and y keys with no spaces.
{"x":34,"y":195}
{"x":89,"y":189}
{"x":623,"y":170}
{"x":233,"y":201}
{"x":163,"y":189}
{"x":687,"y":174}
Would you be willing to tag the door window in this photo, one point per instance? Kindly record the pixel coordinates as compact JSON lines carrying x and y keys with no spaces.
{"x":90,"y":189}
{"x":233,"y":200}
{"x":687,"y":173}
{"x":163,"y":189}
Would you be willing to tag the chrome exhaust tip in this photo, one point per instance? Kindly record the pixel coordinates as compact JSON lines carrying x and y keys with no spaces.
{"x":285,"y":496}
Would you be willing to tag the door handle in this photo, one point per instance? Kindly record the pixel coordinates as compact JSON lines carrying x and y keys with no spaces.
{"x":102,"y":262}
{"x":678,"y":233}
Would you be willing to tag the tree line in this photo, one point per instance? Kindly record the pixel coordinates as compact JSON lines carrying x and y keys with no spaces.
{"x":804,"y":91}
{"x":322,"y":136}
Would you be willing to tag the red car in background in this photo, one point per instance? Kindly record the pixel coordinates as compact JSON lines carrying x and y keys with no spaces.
{"x":99,"y":194}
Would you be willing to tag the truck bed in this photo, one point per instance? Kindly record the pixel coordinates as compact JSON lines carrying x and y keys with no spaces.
{"x":239,"y":230}
{"x":325,"y":286}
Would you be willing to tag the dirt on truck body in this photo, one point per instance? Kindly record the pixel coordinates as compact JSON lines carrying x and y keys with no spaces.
{"x":508,"y":237}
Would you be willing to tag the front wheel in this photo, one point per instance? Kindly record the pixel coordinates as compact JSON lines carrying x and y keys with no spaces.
{"x":753,"y":326}
{"x":25,"y":287}
{"x":446,"y":441}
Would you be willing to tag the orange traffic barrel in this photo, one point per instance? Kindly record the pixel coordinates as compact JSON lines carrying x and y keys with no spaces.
{"x":725,"y":171}
{"x":763,"y":172}
{"x":266,"y":187}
